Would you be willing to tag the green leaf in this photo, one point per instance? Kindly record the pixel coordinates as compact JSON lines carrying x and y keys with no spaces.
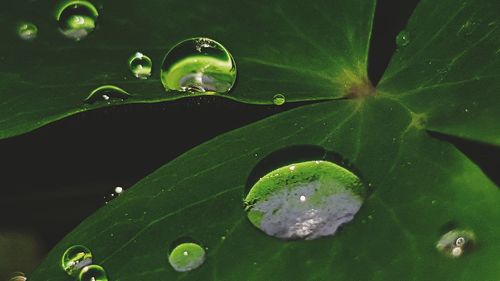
{"x":293,"y":48}
{"x":449,"y":72}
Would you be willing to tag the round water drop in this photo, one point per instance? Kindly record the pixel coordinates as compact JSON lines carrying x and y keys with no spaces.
{"x":140,"y":65}
{"x":456,"y":242}
{"x":306,"y":200}
{"x":107,"y":93}
{"x":198,"y":65}
{"x":92,"y":273}
{"x":27,"y":31}
{"x":77,"y":18}
{"x":75,"y":258}
{"x":279,"y":99}
{"x":403,"y":38}
{"x":186,"y":257}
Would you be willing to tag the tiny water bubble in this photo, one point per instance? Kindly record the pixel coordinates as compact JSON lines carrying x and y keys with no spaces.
{"x":93,"y":273}
{"x":27,"y":31}
{"x":306,"y":200}
{"x":140,"y":65}
{"x":198,"y":65}
{"x":76,"y":19}
{"x":403,"y":39}
{"x":279,"y":99}
{"x":186,"y":257}
{"x":75,"y":258}
{"x":107,"y":93}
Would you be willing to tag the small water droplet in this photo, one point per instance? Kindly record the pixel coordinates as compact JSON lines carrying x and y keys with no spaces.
{"x":198,"y":65}
{"x":75,"y":258}
{"x":457,"y":242}
{"x":308,"y":201}
{"x":140,"y":65}
{"x":18,"y":276}
{"x":186,"y":257}
{"x":467,"y":28}
{"x":403,"y":38}
{"x":279,"y":99}
{"x":27,"y":31}
{"x":76,"y":19}
{"x":107,"y":93}
{"x":118,"y":190}
{"x":93,"y":273}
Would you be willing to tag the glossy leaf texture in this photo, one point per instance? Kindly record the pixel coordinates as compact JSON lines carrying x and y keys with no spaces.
{"x":449,"y":71}
{"x":293,"y":48}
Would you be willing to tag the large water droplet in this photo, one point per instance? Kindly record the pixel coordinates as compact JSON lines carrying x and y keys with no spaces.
{"x":186,"y":257}
{"x":306,"y":200}
{"x":75,"y":258}
{"x":27,"y":31}
{"x":140,"y":65}
{"x":77,"y":19}
{"x":198,"y":65}
{"x":107,"y":93}
{"x":93,"y":273}
{"x":279,"y":99}
{"x":456,"y":243}
{"x":403,"y":38}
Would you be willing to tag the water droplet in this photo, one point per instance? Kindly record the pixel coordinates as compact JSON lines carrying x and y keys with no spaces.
{"x":92,"y":273}
{"x":279,"y":99}
{"x":76,"y":19}
{"x":140,"y":65}
{"x":118,"y":190}
{"x":198,"y":65}
{"x":467,"y":28}
{"x":305,"y":200}
{"x":456,"y":242}
{"x":107,"y":93}
{"x":403,"y":38}
{"x":27,"y":31}
{"x":186,"y":257}
{"x":18,"y":276}
{"x":75,"y":258}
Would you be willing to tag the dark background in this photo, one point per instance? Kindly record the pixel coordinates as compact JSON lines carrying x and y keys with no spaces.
{"x":56,"y":176}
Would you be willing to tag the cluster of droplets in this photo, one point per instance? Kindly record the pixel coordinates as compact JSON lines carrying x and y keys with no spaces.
{"x":117,"y":191}
{"x":77,"y":261}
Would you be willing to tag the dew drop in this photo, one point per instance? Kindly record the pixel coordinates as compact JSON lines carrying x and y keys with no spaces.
{"x":27,"y":31}
{"x":140,"y":65}
{"x":279,"y":99}
{"x":186,"y":257}
{"x":306,"y":200}
{"x":93,"y":273}
{"x":198,"y":65}
{"x":107,"y":93}
{"x":18,"y":276}
{"x":75,"y":258}
{"x":76,"y":19}
{"x":403,"y":38}
{"x":457,"y":242}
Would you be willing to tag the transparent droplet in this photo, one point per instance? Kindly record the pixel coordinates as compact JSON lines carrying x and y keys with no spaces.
{"x":107,"y":93}
{"x":140,"y":65}
{"x":27,"y":31}
{"x":93,"y":273}
{"x":305,"y":200}
{"x":198,"y":65}
{"x":18,"y":276}
{"x":186,"y":257}
{"x":403,"y":38}
{"x":279,"y":99}
{"x":75,"y":258}
{"x":457,"y":242}
{"x":76,"y":19}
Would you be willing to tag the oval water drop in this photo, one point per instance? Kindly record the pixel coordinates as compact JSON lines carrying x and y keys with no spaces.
{"x":403,"y":38}
{"x":27,"y":31}
{"x":75,"y":258}
{"x":107,"y":93}
{"x":186,"y":257}
{"x":76,"y":19}
{"x":93,"y":273}
{"x":456,"y":243}
{"x":198,"y":65}
{"x":279,"y":99}
{"x":140,"y":65}
{"x":306,"y":200}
